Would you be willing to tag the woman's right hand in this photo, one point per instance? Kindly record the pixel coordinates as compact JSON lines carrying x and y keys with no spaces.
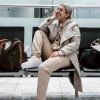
{"x":55,"y":14}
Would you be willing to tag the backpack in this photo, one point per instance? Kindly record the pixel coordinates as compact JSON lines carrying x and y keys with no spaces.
{"x":12,"y":55}
{"x":90,"y":58}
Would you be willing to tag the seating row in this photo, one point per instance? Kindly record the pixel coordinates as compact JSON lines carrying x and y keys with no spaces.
{"x":88,"y":35}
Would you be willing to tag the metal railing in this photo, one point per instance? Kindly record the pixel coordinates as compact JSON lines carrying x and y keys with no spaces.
{"x":79,"y":11}
{"x":47,"y":6}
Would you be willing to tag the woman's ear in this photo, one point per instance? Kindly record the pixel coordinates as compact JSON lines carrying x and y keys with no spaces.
{"x":67,"y":15}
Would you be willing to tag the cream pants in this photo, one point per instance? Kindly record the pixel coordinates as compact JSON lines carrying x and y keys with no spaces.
{"x":42,"y":45}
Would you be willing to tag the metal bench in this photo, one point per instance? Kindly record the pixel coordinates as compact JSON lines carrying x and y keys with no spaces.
{"x":88,"y":36}
{"x":59,"y":73}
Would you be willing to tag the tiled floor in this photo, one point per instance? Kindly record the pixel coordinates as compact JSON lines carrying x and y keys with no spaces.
{"x":59,"y":88}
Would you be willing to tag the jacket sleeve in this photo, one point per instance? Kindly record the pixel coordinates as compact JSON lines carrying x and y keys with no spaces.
{"x":44,"y":25}
{"x":74,"y":42}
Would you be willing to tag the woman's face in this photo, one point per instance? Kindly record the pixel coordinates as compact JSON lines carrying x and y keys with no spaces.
{"x":61,"y":14}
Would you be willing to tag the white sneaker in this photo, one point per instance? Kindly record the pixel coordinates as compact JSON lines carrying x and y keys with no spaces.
{"x":31,"y":63}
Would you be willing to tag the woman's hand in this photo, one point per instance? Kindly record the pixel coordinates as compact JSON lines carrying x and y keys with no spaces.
{"x":55,"y":14}
{"x":55,"y":54}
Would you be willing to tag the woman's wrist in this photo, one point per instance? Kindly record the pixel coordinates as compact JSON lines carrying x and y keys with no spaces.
{"x":61,"y":53}
{"x":53,"y":17}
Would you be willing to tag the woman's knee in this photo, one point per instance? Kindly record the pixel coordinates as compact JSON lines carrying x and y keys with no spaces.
{"x":39,"y":32}
{"x":43,"y":69}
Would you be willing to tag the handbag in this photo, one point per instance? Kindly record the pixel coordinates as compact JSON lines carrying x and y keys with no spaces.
{"x":11,"y":55}
{"x":90,"y":58}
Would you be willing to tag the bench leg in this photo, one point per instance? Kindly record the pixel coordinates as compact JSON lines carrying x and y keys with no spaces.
{"x":25,"y":72}
{"x":76,"y":93}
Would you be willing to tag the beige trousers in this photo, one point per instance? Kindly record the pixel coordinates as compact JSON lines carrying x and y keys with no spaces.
{"x":40,"y":45}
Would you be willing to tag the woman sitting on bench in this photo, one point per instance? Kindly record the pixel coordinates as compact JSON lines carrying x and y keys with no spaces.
{"x":57,"y":41}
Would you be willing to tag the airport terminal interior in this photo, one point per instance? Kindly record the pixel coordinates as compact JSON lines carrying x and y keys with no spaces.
{"x":20,"y":19}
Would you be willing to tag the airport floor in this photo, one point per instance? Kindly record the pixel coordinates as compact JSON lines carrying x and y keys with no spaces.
{"x":59,"y":88}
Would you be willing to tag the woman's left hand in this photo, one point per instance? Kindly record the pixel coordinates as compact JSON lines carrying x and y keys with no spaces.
{"x":55,"y":54}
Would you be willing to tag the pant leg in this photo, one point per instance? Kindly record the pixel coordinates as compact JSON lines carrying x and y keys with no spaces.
{"x":44,"y":71}
{"x":41,"y":45}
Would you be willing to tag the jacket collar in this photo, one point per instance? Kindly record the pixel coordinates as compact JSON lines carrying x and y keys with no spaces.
{"x":56,"y":22}
{"x":66,"y":22}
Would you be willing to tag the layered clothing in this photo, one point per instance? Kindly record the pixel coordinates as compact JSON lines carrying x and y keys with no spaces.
{"x":69,"y":42}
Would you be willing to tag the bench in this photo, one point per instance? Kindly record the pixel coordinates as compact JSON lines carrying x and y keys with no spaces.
{"x":88,"y":36}
{"x":5,"y":29}
{"x":59,"y":73}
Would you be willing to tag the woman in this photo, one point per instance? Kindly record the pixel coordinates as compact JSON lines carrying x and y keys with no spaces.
{"x":57,"y":41}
